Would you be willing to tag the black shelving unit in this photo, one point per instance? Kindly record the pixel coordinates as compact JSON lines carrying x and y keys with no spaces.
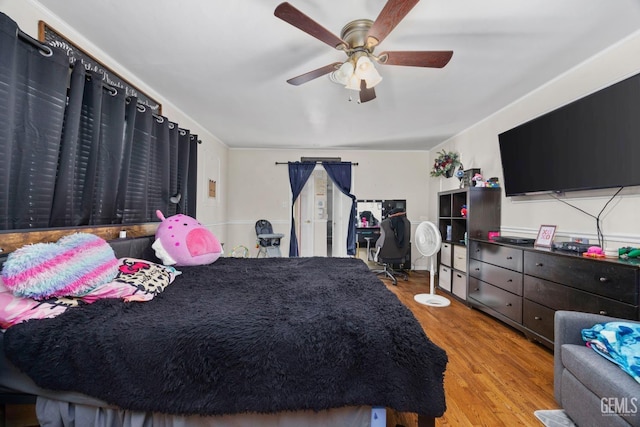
{"x":482,"y":215}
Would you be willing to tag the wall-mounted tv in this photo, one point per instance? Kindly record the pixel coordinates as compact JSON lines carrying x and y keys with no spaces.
{"x":591,"y":143}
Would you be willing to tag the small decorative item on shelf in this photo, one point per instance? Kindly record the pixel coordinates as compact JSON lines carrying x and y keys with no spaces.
{"x":594,"y":252}
{"x":460,"y":174}
{"x":492,"y":235}
{"x":464,"y":211}
{"x":468,"y":174}
{"x":545,"y":236}
{"x":629,"y":252}
{"x":477,"y":180}
{"x":445,"y":164}
{"x":493,"y":182}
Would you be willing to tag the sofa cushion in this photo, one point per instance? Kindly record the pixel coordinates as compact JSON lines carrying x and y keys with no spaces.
{"x":602,"y":377}
{"x":585,"y":408}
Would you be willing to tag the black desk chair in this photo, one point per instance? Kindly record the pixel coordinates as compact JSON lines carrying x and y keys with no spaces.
{"x":393,"y":246}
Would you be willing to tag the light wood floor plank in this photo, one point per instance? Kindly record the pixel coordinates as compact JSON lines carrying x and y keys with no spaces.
{"x":495,"y":376}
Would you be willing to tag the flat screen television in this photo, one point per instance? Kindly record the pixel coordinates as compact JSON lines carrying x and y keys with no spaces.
{"x":591,"y":143}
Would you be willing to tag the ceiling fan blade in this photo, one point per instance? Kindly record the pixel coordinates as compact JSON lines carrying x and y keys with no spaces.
{"x":428,"y":58}
{"x":392,"y":13}
{"x":366,"y":94}
{"x":293,"y":16}
{"x":303,"y":78}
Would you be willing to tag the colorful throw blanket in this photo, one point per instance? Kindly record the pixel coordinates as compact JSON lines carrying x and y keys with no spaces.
{"x":617,"y":341}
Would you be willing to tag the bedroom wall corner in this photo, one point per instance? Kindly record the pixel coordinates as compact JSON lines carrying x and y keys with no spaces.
{"x":524,"y":215}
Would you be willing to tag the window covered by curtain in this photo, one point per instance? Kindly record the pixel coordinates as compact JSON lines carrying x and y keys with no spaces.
{"x":33,"y":91}
{"x":74,"y":151}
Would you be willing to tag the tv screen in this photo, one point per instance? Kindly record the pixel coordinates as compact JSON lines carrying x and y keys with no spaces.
{"x":591,"y":143}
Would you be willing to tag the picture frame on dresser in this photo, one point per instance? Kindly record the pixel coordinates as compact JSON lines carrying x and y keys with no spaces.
{"x":545,"y":236}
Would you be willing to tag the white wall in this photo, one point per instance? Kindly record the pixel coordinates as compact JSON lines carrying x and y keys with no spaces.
{"x":212,"y":153}
{"x":479,"y":148}
{"x":258,"y":188}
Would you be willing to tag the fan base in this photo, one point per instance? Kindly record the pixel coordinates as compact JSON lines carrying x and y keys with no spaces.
{"x":432,"y":300}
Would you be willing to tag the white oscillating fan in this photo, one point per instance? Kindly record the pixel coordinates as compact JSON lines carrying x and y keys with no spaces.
{"x":428,"y":242}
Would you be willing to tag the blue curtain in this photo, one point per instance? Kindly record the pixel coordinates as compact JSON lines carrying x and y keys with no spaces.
{"x":299,"y":173}
{"x":340,"y":174}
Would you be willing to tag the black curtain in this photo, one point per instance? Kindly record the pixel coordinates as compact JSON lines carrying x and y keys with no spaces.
{"x":340,"y":174}
{"x":74,"y":151}
{"x":299,"y":173}
{"x":33,"y":95}
{"x":192,"y":179}
{"x":90,"y":153}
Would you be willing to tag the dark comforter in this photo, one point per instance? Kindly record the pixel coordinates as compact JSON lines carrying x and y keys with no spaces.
{"x":259,"y":335}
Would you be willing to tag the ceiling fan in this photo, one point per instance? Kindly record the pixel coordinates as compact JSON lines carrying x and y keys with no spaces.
{"x":358,"y":40}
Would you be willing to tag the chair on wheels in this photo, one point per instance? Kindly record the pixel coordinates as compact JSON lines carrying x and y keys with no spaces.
{"x":393,"y":245}
{"x":268,"y":241}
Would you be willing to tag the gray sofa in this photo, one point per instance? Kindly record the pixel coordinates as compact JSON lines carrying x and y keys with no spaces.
{"x":586,"y":385}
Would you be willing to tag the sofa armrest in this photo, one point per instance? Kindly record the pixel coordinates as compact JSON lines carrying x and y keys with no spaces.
{"x":568,"y":326}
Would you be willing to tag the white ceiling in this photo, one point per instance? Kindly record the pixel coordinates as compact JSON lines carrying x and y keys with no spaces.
{"x":225,"y":63}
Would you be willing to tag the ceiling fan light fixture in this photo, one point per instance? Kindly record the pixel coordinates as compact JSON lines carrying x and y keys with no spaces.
{"x":343,"y":74}
{"x":365,"y":70}
{"x":353,"y":83}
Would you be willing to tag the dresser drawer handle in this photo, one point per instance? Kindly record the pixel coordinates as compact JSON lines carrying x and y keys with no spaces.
{"x":603,"y":280}
{"x":539,"y":264}
{"x":509,"y":304}
{"x":509,"y":280}
{"x":459,"y":276}
{"x":509,"y":257}
{"x":603,"y":312}
{"x":538,"y":318}
{"x":477,"y":268}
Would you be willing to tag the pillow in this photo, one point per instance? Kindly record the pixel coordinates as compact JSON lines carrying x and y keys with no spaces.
{"x":181,"y":240}
{"x":72,"y":266}
{"x":136,"y":280}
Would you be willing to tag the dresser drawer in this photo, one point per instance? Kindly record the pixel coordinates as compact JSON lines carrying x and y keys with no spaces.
{"x":497,"y":299}
{"x":538,"y":318}
{"x":445,"y":254}
{"x":459,"y":285}
{"x":460,"y":258}
{"x":508,"y":280}
{"x":444,"y":277}
{"x":560,"y":297}
{"x":502,"y":256}
{"x":595,"y":276}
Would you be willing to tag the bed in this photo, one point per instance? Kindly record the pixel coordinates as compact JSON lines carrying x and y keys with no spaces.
{"x":269,"y":341}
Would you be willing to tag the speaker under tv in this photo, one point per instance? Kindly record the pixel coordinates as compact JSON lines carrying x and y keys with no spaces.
{"x":591,"y":143}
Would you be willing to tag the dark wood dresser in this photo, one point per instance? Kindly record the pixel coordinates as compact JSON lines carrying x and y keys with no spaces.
{"x":524,"y":286}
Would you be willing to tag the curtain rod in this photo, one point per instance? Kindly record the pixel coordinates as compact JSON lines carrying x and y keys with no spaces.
{"x":318,"y":162}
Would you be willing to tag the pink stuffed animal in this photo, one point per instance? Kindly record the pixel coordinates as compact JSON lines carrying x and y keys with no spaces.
{"x":183,"y":241}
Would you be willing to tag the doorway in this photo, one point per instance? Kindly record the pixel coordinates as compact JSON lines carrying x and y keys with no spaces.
{"x":322,"y":217}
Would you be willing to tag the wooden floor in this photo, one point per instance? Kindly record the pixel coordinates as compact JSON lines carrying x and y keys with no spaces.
{"x":495,"y":376}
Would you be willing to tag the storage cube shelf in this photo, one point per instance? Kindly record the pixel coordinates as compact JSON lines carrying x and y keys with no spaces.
{"x":483,"y":215}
